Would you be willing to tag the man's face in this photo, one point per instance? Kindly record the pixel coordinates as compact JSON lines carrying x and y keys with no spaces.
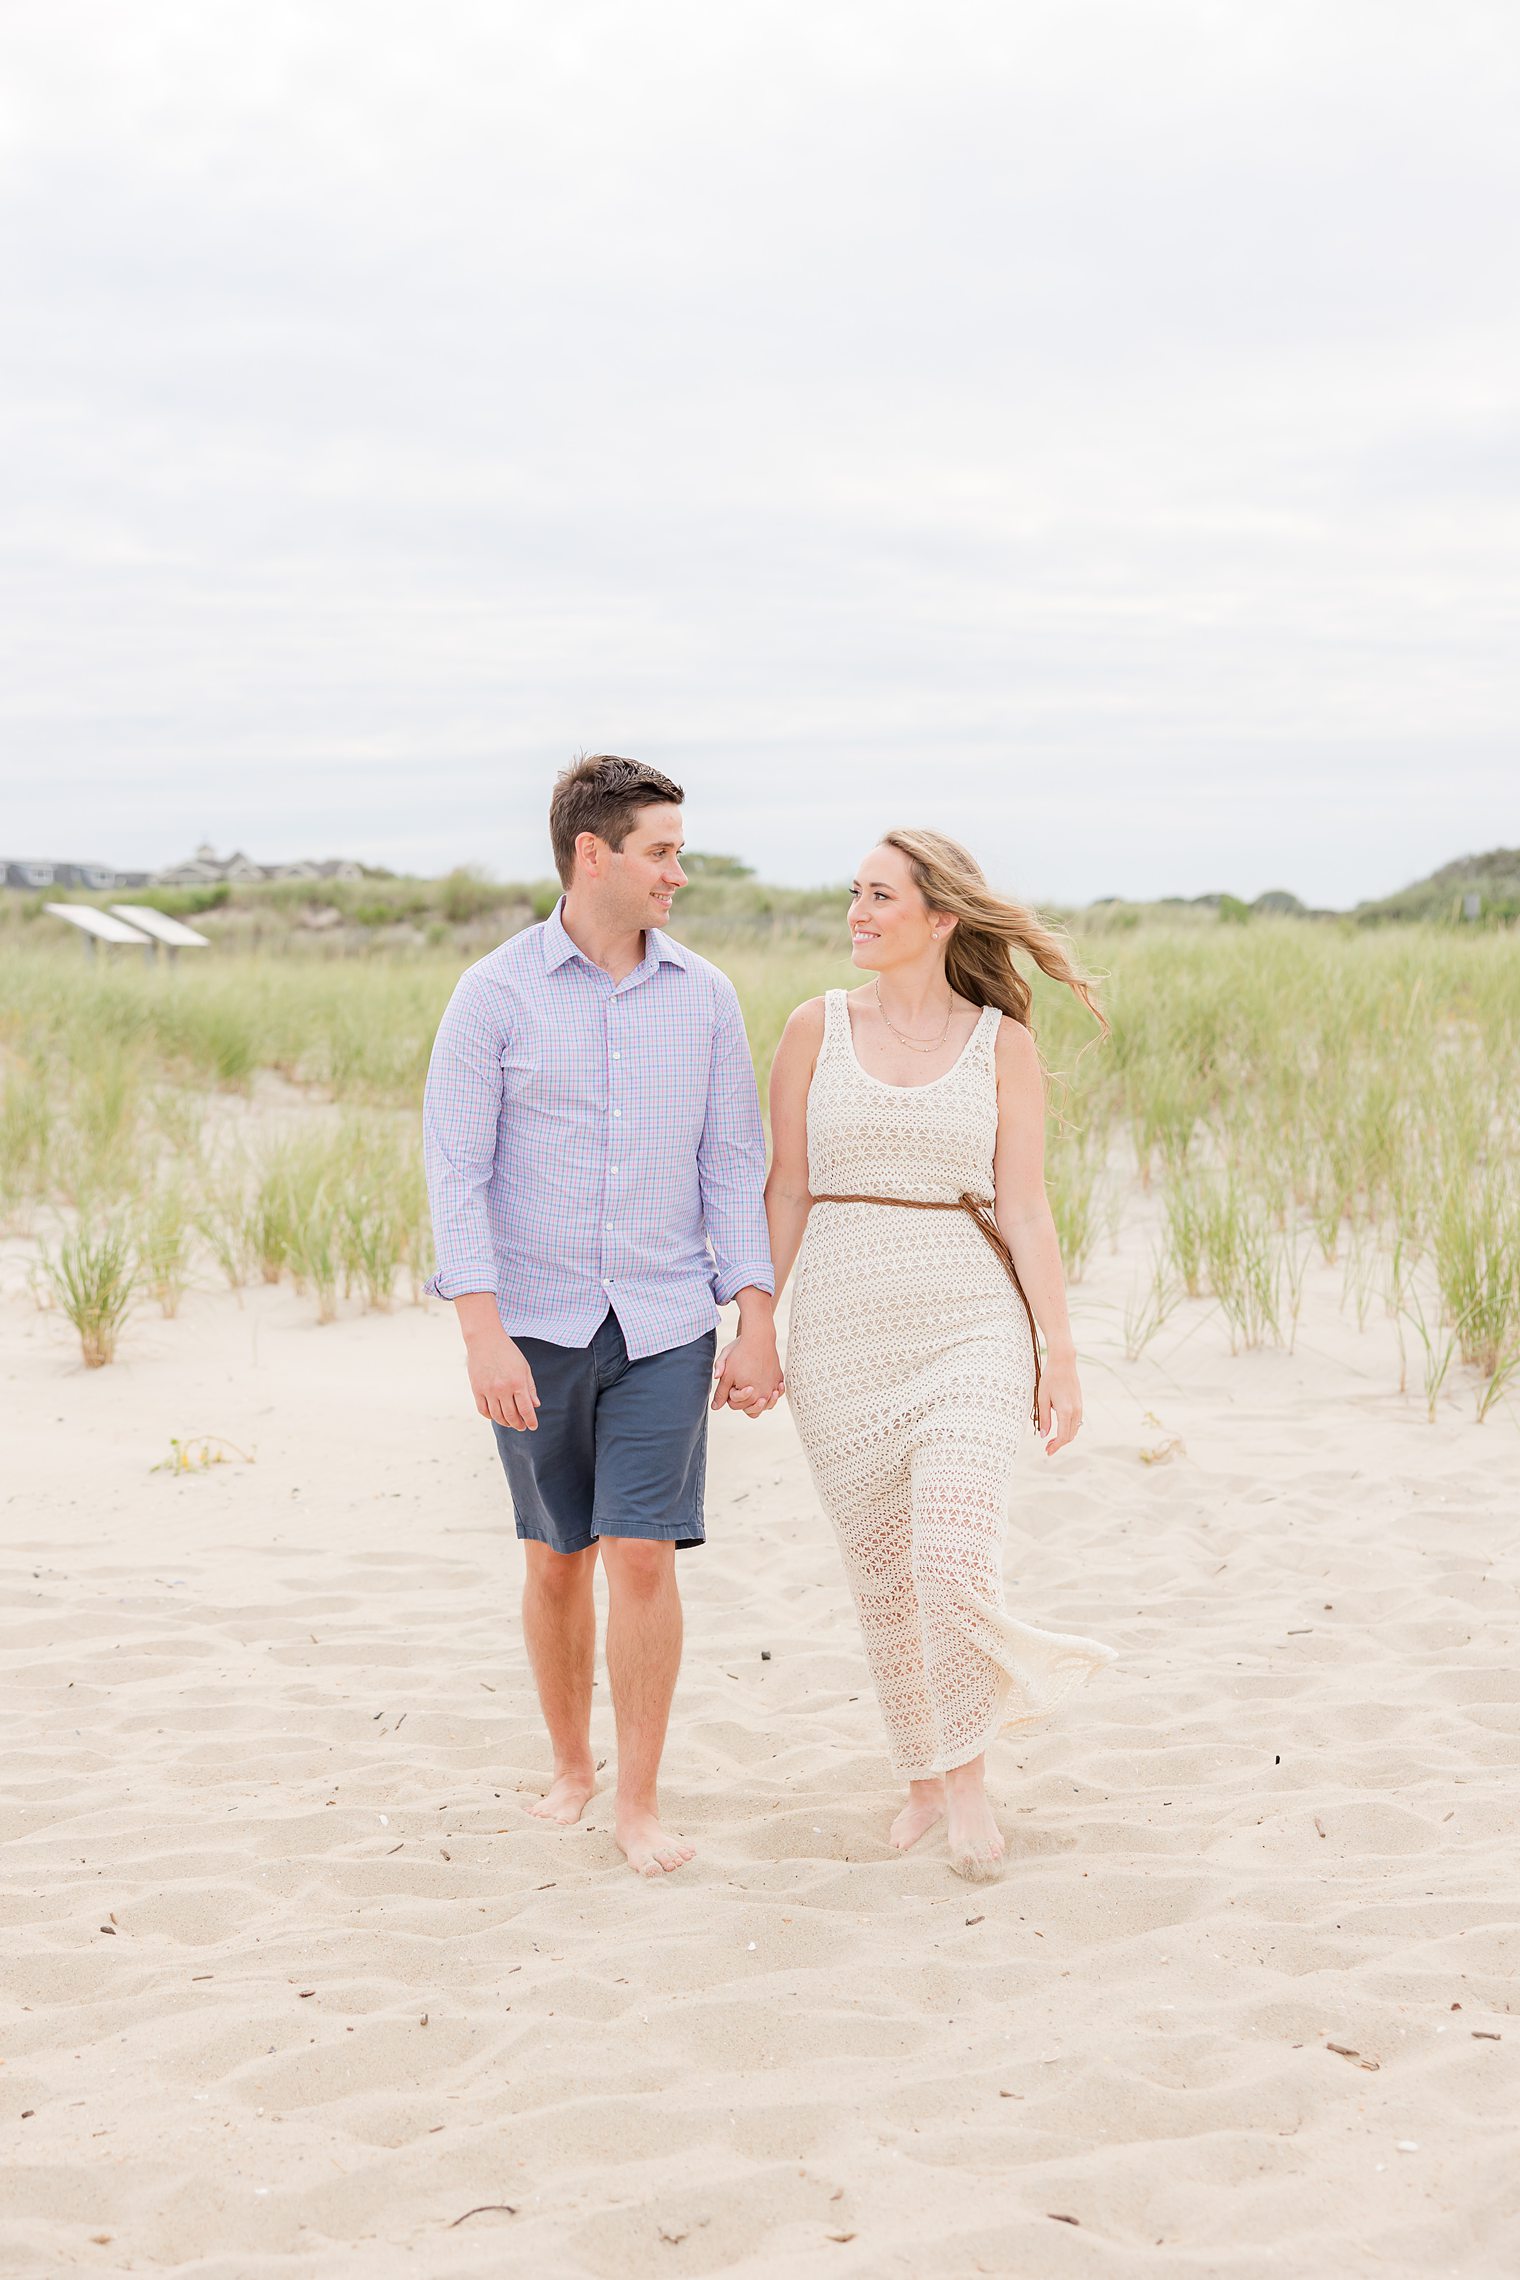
{"x":645,"y":872}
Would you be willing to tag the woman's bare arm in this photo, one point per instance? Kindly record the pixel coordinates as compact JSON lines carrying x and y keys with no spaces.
{"x":787,"y":1200}
{"x":1023,"y":1215}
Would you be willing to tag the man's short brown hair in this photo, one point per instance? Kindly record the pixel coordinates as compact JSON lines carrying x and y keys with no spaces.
{"x":601,"y":793}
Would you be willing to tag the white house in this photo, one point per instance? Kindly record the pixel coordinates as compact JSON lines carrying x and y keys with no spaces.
{"x":95,"y":878}
{"x":206,"y":868}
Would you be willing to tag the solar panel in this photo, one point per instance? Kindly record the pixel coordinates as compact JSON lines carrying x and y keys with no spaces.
{"x":161,"y":926}
{"x":97,"y":923}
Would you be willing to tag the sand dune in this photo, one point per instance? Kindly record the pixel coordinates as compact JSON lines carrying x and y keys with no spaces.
{"x":297,"y":1987}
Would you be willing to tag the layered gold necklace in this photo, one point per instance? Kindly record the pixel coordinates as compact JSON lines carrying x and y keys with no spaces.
{"x":914,"y":1044}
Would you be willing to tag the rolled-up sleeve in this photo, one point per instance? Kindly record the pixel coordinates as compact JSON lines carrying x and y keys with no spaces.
{"x":731,"y":1159}
{"x":461,"y":1108}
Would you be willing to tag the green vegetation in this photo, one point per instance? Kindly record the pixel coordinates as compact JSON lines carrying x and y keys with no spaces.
{"x":1272,"y":1092}
{"x":389,"y":917}
{"x":174,"y":902}
{"x":1475,"y":888}
{"x":161,"y":1240}
{"x":386,"y":915}
{"x":92,"y":1278}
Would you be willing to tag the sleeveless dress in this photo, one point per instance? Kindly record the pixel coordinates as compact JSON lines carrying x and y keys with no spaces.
{"x":910,"y":1372}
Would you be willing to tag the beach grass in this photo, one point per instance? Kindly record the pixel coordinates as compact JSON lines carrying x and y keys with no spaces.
{"x":93,"y":1277}
{"x":162,"y":1236}
{"x":1275,"y":1091}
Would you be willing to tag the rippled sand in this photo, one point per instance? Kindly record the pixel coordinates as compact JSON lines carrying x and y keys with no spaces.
{"x":299,"y":1989}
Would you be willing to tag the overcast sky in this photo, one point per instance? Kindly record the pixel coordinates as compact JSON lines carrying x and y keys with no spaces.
{"x":1091,"y":427}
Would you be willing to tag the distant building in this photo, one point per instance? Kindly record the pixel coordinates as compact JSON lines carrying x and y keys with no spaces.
{"x":94,"y":878}
{"x":205,"y":868}
{"x":335,"y":867}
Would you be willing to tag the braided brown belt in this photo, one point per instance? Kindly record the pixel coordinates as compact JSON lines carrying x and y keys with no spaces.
{"x":979,"y":1211}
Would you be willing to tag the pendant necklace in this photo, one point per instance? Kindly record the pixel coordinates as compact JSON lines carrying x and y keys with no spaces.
{"x":915,"y":1044}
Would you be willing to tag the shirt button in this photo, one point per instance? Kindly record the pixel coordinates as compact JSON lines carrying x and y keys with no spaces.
{"x":617,"y":1112}
{"x":617,"y":1056}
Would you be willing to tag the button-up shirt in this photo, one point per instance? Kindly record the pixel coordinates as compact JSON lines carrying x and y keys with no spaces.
{"x":587,"y":1140}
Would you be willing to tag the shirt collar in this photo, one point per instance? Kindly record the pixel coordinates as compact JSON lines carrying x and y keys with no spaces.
{"x":558,"y":947}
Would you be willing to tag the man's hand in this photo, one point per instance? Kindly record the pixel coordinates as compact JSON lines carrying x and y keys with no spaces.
{"x":502,"y":1383}
{"x":748,"y":1373}
{"x":500,"y":1378}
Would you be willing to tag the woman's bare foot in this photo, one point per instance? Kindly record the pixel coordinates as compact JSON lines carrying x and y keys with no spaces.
{"x":925,"y":1806}
{"x":646,"y":1847}
{"x":566,"y":1797}
{"x":976,"y":1841}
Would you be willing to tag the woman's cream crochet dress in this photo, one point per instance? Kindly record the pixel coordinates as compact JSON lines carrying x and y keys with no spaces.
{"x":910,"y":1371}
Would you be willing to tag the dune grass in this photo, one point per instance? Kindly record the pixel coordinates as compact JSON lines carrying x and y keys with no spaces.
{"x":93,"y":1277}
{"x":1282,"y":1090}
{"x":162,"y":1237}
{"x":360,"y":1029}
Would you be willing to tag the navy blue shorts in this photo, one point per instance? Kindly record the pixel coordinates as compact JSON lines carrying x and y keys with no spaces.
{"x":621,"y":1446}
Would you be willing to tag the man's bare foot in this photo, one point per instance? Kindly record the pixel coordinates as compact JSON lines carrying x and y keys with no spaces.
{"x":647,"y":1848}
{"x":925,"y":1806}
{"x":566,"y":1798}
{"x":976,"y":1841}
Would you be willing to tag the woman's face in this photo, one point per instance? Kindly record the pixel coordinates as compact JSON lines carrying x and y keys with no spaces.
{"x":890,"y":923}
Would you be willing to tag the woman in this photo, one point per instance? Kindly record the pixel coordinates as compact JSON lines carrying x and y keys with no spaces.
{"x":911,"y":1362}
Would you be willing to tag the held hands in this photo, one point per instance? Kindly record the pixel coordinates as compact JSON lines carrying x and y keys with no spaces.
{"x":502,"y":1382}
{"x":1060,"y":1403}
{"x":748,"y":1374}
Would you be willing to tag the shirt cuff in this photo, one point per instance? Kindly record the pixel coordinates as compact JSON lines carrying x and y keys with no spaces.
{"x":461,"y":1279}
{"x":727,"y":1287}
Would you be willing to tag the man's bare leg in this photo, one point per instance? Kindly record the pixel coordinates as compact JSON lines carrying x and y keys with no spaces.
{"x":559,"y":1625}
{"x":643,"y":1657}
{"x":976,"y":1841}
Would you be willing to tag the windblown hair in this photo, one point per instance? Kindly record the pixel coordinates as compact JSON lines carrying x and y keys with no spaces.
{"x":601,"y":793}
{"x":979,"y":954}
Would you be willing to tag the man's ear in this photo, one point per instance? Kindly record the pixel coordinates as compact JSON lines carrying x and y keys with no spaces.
{"x":590,"y":853}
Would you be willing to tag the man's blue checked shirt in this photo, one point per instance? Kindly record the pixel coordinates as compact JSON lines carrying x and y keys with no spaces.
{"x":586,"y":1141}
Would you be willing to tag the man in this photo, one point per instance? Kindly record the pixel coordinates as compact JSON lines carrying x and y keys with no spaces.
{"x":591,"y":1127}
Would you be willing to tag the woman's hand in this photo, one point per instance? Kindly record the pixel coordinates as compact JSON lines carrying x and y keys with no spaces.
{"x":1060,"y":1396}
{"x":747,"y":1374}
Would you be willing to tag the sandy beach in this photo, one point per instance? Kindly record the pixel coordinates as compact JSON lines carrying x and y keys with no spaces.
{"x":296,"y":1987}
{"x":618,"y":621}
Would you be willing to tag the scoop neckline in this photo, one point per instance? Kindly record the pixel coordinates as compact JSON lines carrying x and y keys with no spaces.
{"x":886,"y":1083}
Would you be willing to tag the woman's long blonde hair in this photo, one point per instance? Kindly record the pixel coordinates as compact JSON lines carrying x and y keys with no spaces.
{"x":979,"y":955}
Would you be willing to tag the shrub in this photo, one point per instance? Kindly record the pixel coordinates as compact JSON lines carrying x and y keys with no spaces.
{"x":93,"y":1279}
{"x":466,"y":894}
{"x":163,"y":1244}
{"x":183,"y":902}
